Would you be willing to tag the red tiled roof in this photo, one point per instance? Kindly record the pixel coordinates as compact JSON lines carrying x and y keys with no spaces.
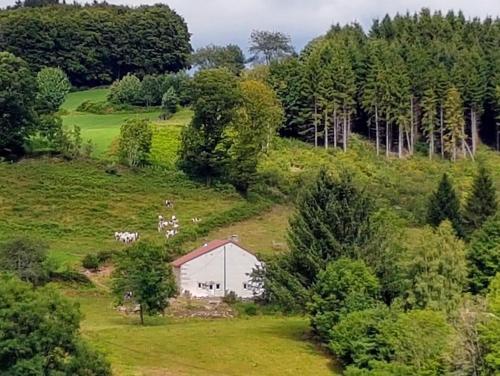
{"x":209,"y":247}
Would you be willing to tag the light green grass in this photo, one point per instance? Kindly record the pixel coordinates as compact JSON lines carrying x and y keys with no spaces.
{"x":76,"y":98}
{"x":262,"y":345}
{"x":102,"y":130}
{"x":76,"y":206}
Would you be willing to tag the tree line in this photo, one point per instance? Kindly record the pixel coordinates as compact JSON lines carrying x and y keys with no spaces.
{"x":99,"y":43}
{"x":428,"y":81}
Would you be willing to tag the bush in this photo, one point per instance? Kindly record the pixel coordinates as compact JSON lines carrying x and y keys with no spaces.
{"x":126,"y":91}
{"x":53,"y":86}
{"x":344,"y":286}
{"x":91,"y":262}
{"x":136,"y":137}
{"x":247,"y":308}
{"x":169,"y":101}
{"x":26,"y":258}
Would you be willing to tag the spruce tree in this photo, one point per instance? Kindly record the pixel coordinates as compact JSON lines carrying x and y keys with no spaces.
{"x":454,"y":123}
{"x":481,"y":203}
{"x":334,"y":219}
{"x":445,"y":205}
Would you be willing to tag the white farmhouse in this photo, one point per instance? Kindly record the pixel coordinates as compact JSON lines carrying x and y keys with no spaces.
{"x":215,"y":269}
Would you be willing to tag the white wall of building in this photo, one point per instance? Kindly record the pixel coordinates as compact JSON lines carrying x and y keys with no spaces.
{"x":204,"y":275}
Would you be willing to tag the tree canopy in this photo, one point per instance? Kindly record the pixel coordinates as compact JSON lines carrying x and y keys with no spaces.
{"x":96,"y":44}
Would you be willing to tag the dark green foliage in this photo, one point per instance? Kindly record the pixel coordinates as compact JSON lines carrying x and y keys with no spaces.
{"x":91,"y":262}
{"x":136,"y":137}
{"x":383,"y":339}
{"x":481,"y":203}
{"x":40,"y":334}
{"x":334,"y":219}
{"x":215,"y":97}
{"x":25,"y":258}
{"x":128,"y":90}
{"x":484,"y":255}
{"x":445,"y":205}
{"x":17,"y":100}
{"x":282,"y":288}
{"x":343,"y":287}
{"x":97,"y":44}
{"x":143,"y":270}
{"x":358,"y":338}
{"x":230,"y":57}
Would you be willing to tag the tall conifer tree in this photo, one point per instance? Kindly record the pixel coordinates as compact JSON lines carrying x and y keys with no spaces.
{"x":445,"y":205}
{"x":481,"y":203}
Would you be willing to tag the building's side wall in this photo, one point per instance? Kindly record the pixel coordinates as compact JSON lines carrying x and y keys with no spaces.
{"x":208,"y":270}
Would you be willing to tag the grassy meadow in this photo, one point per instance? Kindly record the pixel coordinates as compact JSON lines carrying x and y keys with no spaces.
{"x":258,"y":345}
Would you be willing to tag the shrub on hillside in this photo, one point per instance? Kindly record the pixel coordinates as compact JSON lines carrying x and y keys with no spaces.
{"x":26,"y":258}
{"x":136,"y":137}
{"x":91,"y":262}
{"x":53,"y":86}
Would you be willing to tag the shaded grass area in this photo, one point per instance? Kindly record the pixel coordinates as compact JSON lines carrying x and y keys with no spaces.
{"x":74,"y":99}
{"x":262,"y":345}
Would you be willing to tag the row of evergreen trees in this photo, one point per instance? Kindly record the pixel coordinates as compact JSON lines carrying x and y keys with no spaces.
{"x":422,"y":77}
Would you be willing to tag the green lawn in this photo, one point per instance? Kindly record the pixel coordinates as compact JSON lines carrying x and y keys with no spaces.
{"x":101,"y":130}
{"x":261,"y":345}
{"x":74,"y":99}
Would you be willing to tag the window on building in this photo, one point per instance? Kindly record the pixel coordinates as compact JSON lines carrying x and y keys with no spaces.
{"x":199,"y":285}
{"x":211,"y":287}
{"x":245,"y":285}
{"x":217,"y":286}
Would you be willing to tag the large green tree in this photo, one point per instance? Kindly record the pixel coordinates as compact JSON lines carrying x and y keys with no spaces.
{"x":255,"y":125}
{"x":136,"y":137}
{"x":17,"y":100}
{"x":52,"y":87}
{"x":434,"y":269}
{"x":445,"y":205}
{"x":481,"y":203}
{"x":26,"y":258}
{"x":40,"y":334}
{"x":334,"y":219}
{"x":269,"y":46}
{"x":484,"y":255}
{"x":203,"y":151}
{"x":143,"y":276}
{"x":344,"y":286}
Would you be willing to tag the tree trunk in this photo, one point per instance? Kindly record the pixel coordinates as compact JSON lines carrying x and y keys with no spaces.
{"x":326,"y":129}
{"x":335,"y":128}
{"x":441,"y":129}
{"x":141,"y":313}
{"x":377,"y":135}
{"x":431,"y":146}
{"x":315,"y":124}
{"x":412,"y":125}
{"x":474,"y":130}
{"x":344,"y":133}
{"x":387,"y":139}
{"x":400,"y":142}
{"x":464,"y":155}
